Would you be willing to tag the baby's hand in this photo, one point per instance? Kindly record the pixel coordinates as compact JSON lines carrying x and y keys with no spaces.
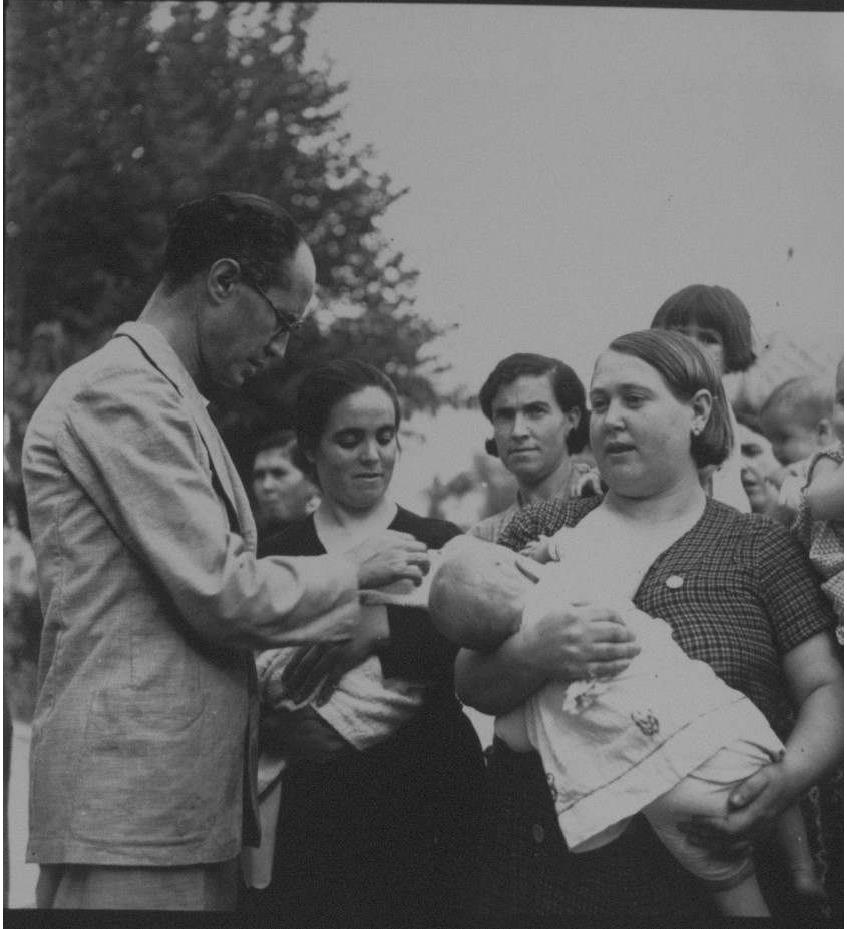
{"x":585,"y":481}
{"x":539,"y":550}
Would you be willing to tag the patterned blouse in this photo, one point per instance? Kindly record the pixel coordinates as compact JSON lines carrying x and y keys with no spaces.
{"x":737,"y":591}
{"x":824,"y":541}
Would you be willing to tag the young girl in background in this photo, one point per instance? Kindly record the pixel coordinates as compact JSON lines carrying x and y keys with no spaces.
{"x":717,"y":320}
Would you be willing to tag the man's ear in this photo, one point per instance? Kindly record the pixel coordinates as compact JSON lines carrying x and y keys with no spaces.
{"x":223,"y":275}
{"x":573,"y":416}
{"x":824,"y":432}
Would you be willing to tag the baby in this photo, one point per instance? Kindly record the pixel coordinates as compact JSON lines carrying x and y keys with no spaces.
{"x":796,"y":419}
{"x":667,"y":737}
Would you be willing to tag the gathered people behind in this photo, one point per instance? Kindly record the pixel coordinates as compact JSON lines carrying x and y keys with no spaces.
{"x":737,"y":593}
{"x":796,"y":418}
{"x":379,"y":769}
{"x":281,"y":492}
{"x":536,"y":405}
{"x":718,"y":321}
{"x":761,"y":473}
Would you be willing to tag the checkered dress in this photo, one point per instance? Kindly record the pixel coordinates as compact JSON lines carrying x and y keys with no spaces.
{"x":738,"y":594}
{"x":737,"y":591}
{"x":824,"y":541}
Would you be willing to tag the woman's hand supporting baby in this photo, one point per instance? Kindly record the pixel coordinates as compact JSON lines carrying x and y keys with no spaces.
{"x":815,"y":677}
{"x":572,"y":642}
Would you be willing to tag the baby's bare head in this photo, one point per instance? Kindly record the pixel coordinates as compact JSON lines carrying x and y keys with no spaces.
{"x":477,"y":594}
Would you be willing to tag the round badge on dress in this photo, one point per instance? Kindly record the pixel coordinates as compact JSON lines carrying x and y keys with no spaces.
{"x":675,"y":581}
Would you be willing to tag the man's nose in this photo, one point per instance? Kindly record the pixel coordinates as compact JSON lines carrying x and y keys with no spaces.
{"x":520,"y":426}
{"x":277,"y":346}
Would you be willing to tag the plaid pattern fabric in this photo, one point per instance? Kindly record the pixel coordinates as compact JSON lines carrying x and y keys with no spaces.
{"x":824,"y":541}
{"x":737,"y":591}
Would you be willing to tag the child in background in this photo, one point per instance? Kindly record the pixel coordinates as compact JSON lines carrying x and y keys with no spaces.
{"x":717,"y":320}
{"x":820,"y":520}
{"x":797,"y":420}
{"x":667,"y":737}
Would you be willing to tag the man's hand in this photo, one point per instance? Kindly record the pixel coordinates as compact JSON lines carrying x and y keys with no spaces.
{"x":573,"y":641}
{"x":317,"y":669}
{"x":388,"y":557}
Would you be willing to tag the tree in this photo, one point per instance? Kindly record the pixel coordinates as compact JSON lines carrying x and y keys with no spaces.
{"x":118,"y":111}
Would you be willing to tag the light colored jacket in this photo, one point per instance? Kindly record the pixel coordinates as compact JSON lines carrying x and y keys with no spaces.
{"x":152,"y":599}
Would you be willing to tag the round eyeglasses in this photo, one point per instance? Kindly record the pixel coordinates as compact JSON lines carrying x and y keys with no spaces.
{"x":286,"y":321}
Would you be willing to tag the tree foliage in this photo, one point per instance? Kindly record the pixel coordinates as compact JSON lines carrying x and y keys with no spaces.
{"x":116,"y":112}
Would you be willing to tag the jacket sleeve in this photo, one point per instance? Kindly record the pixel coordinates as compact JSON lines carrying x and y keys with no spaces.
{"x":139,"y":456}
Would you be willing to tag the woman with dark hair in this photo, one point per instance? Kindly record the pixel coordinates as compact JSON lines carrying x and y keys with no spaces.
{"x":714,"y":318}
{"x":737,"y":594}
{"x":536,"y":405}
{"x":377,"y":813}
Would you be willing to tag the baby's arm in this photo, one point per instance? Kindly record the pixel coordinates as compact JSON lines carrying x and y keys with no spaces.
{"x":825,"y":490}
{"x":539,"y":550}
{"x":546,"y":547}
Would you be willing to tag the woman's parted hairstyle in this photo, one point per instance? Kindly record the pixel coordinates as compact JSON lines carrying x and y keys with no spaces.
{"x":253,"y":230}
{"x":568,"y":390}
{"x":685,"y":368}
{"x":321,"y":389}
{"x":716,"y":308}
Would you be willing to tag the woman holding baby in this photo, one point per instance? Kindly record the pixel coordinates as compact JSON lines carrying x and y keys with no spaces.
{"x":380,"y":769}
{"x":736,"y":593}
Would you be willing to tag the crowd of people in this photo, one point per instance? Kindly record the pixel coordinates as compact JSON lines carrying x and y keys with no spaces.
{"x":251,"y":698}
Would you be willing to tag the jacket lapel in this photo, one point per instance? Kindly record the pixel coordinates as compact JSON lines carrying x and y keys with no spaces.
{"x":225,"y":476}
{"x":230,"y":485}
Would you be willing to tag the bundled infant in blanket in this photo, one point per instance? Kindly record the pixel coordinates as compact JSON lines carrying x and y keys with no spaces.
{"x":666,"y":737}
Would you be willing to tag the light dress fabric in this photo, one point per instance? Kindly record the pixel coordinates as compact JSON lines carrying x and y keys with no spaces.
{"x":610,"y":748}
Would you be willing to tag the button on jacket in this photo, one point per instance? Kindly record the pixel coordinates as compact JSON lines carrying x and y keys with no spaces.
{"x":153,"y":599}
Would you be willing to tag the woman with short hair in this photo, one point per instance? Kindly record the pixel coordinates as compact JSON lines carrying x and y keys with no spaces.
{"x":738,"y":595}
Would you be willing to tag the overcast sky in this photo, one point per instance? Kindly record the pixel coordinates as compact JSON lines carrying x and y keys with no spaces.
{"x":571,"y":167}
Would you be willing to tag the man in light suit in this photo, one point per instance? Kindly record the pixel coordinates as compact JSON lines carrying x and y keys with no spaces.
{"x":143,"y":758}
